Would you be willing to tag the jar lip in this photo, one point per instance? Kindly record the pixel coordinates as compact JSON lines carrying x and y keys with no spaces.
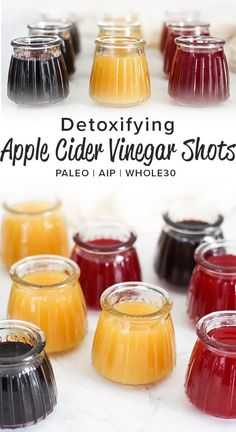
{"x":32,"y":329}
{"x":36,"y":42}
{"x":40,"y":259}
{"x":219,"y":319}
{"x":119,"y":25}
{"x":51,"y":26}
{"x":103,"y":249}
{"x":119,"y":42}
{"x":203,"y":249}
{"x":186,"y":25}
{"x":145,"y":287}
{"x":199,"y":42}
{"x":201,"y":227}
{"x":10,"y":208}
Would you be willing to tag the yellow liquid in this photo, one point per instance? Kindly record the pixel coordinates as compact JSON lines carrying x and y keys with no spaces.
{"x":30,"y":232}
{"x":59,"y":311}
{"x":120,"y":79}
{"x":122,"y":32}
{"x":134,"y":351}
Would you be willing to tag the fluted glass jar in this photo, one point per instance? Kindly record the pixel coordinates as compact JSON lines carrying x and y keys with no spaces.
{"x":37,"y":72}
{"x":199,"y":74}
{"x":120,"y":29}
{"x":27,"y":384}
{"x":46,"y":291}
{"x":106,"y":254}
{"x":210,"y":380}
{"x":32,"y":228}
{"x":134,"y":341}
{"x":180,"y":236}
{"x":54,"y":15}
{"x":64,"y":31}
{"x":179,"y":16}
{"x":120,"y":75}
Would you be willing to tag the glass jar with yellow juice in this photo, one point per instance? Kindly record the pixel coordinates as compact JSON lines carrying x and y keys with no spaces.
{"x":47,"y":293}
{"x":134,"y":342}
{"x":32,"y":228}
{"x":120,"y":75}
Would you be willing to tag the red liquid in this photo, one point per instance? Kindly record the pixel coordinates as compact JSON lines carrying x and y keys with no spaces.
{"x":164,"y":35}
{"x":210,"y":292}
{"x":199,"y":78}
{"x":103,"y":269}
{"x":210,"y":381}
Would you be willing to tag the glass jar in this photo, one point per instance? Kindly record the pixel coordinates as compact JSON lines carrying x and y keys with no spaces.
{"x":32,"y":228}
{"x":37,"y":72}
{"x":179,"y":16}
{"x":134,"y":341}
{"x":212,"y":286}
{"x":46,"y":292}
{"x":64,"y":31}
{"x":106,"y":255}
{"x":120,"y":75}
{"x":199,"y":74}
{"x":181,"y":235}
{"x":54,"y":15}
{"x":181,"y":29}
{"x":120,"y":29}
{"x":27,"y":384}
{"x":210,"y":380}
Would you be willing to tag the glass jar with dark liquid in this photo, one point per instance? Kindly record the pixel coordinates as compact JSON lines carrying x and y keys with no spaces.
{"x":37,"y":72}
{"x":174,"y":261}
{"x":64,"y":31}
{"x":52,"y":15}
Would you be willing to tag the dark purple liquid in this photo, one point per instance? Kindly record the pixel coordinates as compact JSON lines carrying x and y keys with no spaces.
{"x":75,"y":38}
{"x":69,"y":55}
{"x":25,"y":397}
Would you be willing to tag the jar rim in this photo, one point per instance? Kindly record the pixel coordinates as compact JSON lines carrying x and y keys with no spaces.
{"x":119,"y":25}
{"x":36,"y":42}
{"x":119,"y":42}
{"x":31,"y":329}
{"x":40,"y":259}
{"x":218,"y":320}
{"x":199,"y":42}
{"x":198,"y":229}
{"x":187,"y":25}
{"x":203,"y":249}
{"x":50,"y":26}
{"x":103,"y":249}
{"x":10,"y":208}
{"x":106,"y":305}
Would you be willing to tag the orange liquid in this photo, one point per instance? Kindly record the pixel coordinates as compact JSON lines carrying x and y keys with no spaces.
{"x":120,"y":79}
{"x":59,"y":311}
{"x":30,"y":232}
{"x":134,"y":351}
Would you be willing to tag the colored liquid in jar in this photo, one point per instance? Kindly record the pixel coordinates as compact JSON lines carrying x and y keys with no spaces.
{"x":69,"y":55}
{"x":164,"y":36}
{"x":132,"y":351}
{"x":210,"y":383}
{"x":103,"y":269}
{"x":75,"y":38}
{"x":59,"y":312}
{"x":210,"y":292}
{"x":21,"y":400}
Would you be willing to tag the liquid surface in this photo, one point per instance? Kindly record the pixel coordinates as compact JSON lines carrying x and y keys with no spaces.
{"x":135,"y":308}
{"x":13,"y":349}
{"x":225,"y":334}
{"x":222,"y":260}
{"x":46,"y":277}
{"x":105,"y":242}
{"x":32,"y":206}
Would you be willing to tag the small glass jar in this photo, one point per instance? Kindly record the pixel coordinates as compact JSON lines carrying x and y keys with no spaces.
{"x":32,"y":228}
{"x":179,"y":16}
{"x":54,"y":15}
{"x":106,"y":255}
{"x":181,"y":235}
{"x":212,"y":286}
{"x":134,"y":342}
{"x":210,"y":380}
{"x":37,"y":72}
{"x":120,"y":75}
{"x":181,"y":29}
{"x":120,"y":29}
{"x":27,"y":384}
{"x":199,"y":74}
{"x":46,"y":292}
{"x":64,"y":31}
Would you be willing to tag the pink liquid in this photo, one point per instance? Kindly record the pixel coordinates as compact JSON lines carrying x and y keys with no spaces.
{"x":99,"y":270}
{"x":210,"y":292}
{"x":210,"y":381}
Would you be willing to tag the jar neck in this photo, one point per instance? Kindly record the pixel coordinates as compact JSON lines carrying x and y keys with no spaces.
{"x":34,"y":208}
{"x":119,"y":43}
{"x":196,"y":225}
{"x":36,"y":47}
{"x":200,"y":45}
{"x":218,"y":258}
{"x":188,"y":28}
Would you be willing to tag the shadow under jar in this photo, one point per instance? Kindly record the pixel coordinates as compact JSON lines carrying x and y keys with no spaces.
{"x":27,"y":385}
{"x":32,"y":228}
{"x":210,"y":380}
{"x":120,"y":75}
{"x":61,"y":29}
{"x":134,"y":341}
{"x":199,"y":74}
{"x":177,"y":29}
{"x":120,"y":29}
{"x":180,"y":237}
{"x":106,"y":255}
{"x":37,"y":72}
{"x":212,"y":285}
{"x":46,"y":291}
{"x":66,"y":17}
